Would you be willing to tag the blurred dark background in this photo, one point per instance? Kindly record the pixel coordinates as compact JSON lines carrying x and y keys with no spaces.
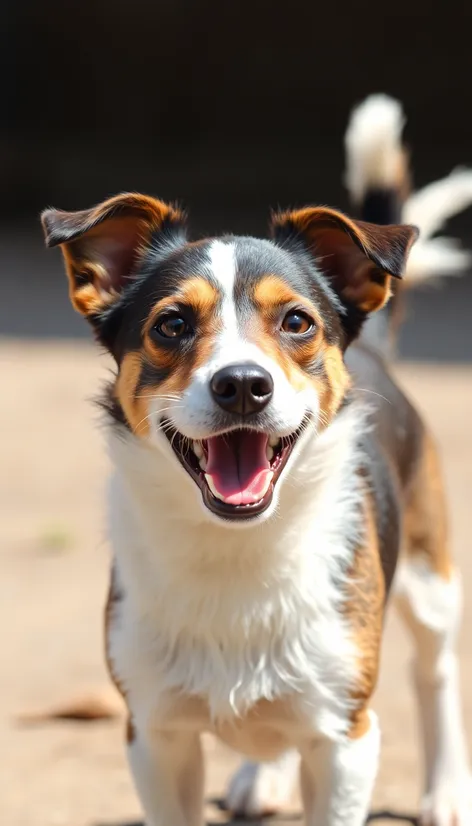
{"x":228,"y":107}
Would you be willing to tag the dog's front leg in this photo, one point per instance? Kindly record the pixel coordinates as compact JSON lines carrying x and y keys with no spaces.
{"x":168,"y":772}
{"x":337,"y":778}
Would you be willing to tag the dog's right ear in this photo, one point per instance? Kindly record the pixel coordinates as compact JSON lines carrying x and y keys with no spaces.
{"x":103,"y":245}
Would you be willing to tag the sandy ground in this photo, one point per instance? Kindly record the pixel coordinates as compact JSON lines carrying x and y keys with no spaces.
{"x":53,"y":582}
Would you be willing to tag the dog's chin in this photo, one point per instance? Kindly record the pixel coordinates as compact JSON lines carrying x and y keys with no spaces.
{"x":238,"y":471}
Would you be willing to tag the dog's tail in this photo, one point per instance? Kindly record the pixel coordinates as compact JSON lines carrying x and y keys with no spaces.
{"x":378,"y":181}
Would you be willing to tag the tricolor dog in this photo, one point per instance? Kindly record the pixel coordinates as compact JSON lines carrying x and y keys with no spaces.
{"x":268,"y":473}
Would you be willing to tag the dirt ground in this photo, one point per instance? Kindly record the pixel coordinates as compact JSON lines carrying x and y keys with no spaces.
{"x":53,"y":582}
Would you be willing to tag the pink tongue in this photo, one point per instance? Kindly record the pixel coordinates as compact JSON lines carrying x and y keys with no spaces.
{"x":238,"y":466}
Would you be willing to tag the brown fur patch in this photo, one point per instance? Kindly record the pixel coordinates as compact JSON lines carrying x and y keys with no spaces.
{"x":364,"y":612}
{"x":271,"y":293}
{"x":425,"y":522}
{"x":132,"y":401}
{"x":196,"y":293}
{"x":338,"y":380}
{"x":359,"y":257}
{"x":89,"y":297}
{"x":203,"y":298}
{"x":102,"y":245}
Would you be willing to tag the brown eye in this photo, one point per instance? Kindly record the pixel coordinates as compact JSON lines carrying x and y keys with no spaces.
{"x":172,"y":326}
{"x":296,"y":323}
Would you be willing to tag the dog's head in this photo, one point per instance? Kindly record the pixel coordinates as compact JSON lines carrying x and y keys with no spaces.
{"x":229,"y":351}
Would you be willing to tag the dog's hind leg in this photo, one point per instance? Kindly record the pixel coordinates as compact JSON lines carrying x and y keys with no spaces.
{"x":258,"y":789}
{"x":428,"y":595}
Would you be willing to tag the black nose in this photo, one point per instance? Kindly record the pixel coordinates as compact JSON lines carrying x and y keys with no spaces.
{"x":242,"y":388}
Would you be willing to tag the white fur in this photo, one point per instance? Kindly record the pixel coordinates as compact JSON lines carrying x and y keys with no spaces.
{"x":374,"y":152}
{"x":431,"y":607}
{"x":436,"y":257}
{"x":431,"y":206}
{"x":222,"y":264}
{"x":168,"y":771}
{"x":429,"y":209}
{"x":338,"y":779}
{"x":373,"y":145}
{"x":258,"y":789}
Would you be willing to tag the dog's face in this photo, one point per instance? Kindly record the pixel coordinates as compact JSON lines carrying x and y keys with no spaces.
{"x":229,"y":351}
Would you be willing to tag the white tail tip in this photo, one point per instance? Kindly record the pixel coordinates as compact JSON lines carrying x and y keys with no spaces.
{"x":429,"y":209}
{"x":431,"y":206}
{"x":374,"y":151}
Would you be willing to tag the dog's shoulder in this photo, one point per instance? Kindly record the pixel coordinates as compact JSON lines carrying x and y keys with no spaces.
{"x":395,"y":426}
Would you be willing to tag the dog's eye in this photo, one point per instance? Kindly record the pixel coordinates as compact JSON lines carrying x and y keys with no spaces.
{"x":297,"y":322}
{"x":172,"y":326}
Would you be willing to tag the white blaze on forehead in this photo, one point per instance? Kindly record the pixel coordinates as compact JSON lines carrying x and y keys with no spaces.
{"x":231,"y":344}
{"x":222,"y":260}
{"x":223,"y":267}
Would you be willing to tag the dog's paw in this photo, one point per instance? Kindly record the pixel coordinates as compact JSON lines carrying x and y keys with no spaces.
{"x":262,"y":789}
{"x":449,"y":805}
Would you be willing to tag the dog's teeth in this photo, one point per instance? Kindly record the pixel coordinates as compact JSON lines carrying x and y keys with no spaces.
{"x":273,"y":441}
{"x":214,"y":491}
{"x":197,"y":448}
{"x":269,"y":453}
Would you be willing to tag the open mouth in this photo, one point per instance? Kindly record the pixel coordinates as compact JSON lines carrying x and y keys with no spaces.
{"x":236,"y":471}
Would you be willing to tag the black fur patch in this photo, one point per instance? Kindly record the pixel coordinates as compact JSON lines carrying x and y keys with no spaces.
{"x":382,"y":206}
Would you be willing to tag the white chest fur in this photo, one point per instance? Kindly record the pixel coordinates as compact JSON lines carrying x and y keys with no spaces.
{"x":237,"y":617}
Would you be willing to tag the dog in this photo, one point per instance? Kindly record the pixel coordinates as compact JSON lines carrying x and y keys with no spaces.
{"x":268,"y":475}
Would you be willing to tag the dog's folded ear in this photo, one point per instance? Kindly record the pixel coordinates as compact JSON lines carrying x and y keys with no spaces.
{"x":358,"y":258}
{"x":103,"y":246}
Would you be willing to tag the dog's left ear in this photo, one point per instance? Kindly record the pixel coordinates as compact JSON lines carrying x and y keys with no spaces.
{"x":358,"y":258}
{"x":102,"y":246}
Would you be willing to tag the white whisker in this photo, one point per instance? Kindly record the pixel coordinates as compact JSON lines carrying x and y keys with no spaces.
{"x":374,"y":393}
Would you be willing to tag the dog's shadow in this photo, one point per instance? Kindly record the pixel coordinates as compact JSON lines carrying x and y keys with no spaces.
{"x":399,"y":817}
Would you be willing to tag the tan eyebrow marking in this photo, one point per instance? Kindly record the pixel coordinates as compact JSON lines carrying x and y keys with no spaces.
{"x":332,"y":381}
{"x":197,"y":292}
{"x":203,"y":298}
